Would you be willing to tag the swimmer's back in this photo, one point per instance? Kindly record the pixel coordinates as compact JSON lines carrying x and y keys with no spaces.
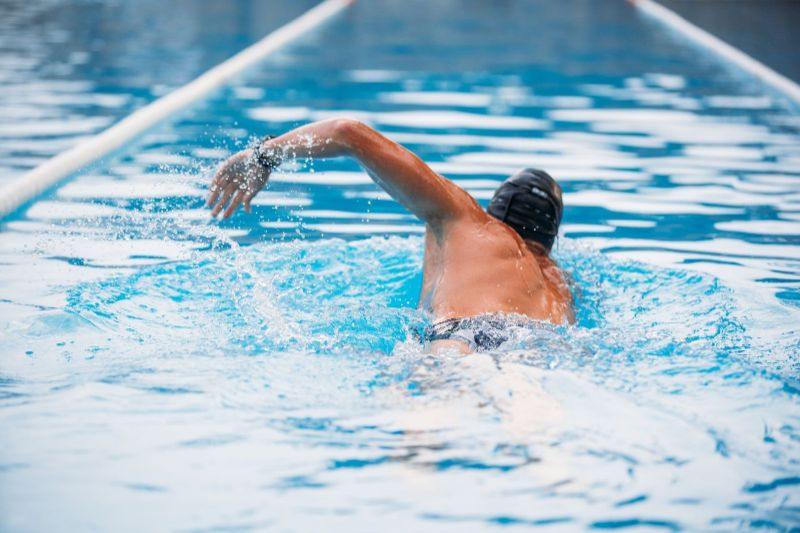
{"x":482,"y":266}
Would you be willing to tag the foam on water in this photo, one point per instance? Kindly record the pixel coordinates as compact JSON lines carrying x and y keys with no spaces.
{"x":317,"y":364}
{"x":154,"y":361}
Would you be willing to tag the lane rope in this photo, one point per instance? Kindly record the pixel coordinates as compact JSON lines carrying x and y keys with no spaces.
{"x":34,"y":182}
{"x":720,"y":47}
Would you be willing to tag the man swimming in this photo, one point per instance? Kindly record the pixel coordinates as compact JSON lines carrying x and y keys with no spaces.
{"x":482,"y":269}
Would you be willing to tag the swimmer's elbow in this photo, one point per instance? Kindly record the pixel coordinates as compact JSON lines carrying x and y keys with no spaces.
{"x":347,"y":131}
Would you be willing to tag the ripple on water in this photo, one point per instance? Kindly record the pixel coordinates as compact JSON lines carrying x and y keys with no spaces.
{"x":266,"y":365}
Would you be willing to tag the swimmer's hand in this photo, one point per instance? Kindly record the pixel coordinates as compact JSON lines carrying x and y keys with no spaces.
{"x":236,"y":182}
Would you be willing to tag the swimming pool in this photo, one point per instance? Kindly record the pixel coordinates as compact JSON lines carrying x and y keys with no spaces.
{"x":163,"y":372}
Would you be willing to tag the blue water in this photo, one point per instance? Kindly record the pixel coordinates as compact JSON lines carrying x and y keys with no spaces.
{"x":161,"y":371}
{"x":70,"y":68}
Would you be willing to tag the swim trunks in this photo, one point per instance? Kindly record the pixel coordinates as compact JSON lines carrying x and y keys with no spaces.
{"x":480,"y":333}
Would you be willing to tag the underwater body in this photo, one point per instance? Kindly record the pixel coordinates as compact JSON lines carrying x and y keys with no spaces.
{"x":163,"y":371}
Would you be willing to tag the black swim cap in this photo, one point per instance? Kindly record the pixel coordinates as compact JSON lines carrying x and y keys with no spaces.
{"x":530,"y":202}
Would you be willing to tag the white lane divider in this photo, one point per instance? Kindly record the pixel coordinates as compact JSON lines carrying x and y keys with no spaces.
{"x":702,"y":37}
{"x":34,"y":182}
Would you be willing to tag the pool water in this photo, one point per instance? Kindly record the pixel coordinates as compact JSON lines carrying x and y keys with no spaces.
{"x":162,"y":371}
{"x":69,"y":69}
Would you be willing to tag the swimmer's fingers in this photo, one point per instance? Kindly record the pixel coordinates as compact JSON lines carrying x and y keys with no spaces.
{"x":218,"y":184}
{"x":251,"y":193}
{"x":258,"y":182}
{"x":213,"y":193}
{"x":227,"y":174}
{"x":226,"y":195}
{"x":247,"y":198}
{"x":235,"y":203}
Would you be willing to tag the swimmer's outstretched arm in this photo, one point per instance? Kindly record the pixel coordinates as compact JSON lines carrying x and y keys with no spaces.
{"x":431,"y":197}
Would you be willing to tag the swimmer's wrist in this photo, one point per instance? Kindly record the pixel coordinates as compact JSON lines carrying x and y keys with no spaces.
{"x":266,"y":156}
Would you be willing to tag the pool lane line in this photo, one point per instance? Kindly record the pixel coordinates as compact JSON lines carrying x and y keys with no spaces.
{"x":36,"y":181}
{"x":720,"y":47}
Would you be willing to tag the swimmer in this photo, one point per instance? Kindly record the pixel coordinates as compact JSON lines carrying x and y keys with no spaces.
{"x":482,"y":269}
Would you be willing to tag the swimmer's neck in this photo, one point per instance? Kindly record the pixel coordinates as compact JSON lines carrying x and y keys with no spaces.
{"x":537,"y":249}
